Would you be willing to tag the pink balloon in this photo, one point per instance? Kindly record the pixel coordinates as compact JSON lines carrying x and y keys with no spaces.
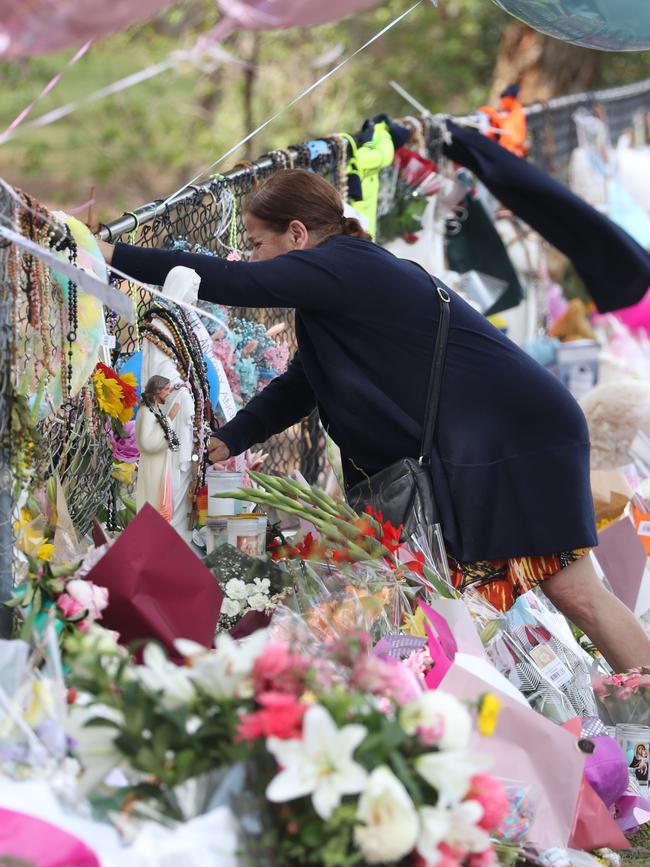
{"x":29,"y":28}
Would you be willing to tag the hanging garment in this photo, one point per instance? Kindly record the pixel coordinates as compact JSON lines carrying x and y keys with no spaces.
{"x":478,"y":247}
{"x":511,"y":123}
{"x":614,"y":268}
{"x":366,"y":162}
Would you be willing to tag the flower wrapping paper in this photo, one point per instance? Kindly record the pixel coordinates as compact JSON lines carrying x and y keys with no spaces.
{"x":158,"y":588}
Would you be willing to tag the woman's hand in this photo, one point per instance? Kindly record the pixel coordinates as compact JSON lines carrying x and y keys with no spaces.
{"x":173,"y":412}
{"x":217,"y":450}
{"x":106,"y":251}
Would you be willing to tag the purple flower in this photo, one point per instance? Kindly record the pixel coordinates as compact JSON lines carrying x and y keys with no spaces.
{"x":124,"y":448}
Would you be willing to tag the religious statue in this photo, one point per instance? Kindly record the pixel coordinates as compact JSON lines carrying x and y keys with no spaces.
{"x":156,"y":441}
{"x":172,"y":349}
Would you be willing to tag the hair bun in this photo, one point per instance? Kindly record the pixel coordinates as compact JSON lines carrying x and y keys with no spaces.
{"x":352,"y":227}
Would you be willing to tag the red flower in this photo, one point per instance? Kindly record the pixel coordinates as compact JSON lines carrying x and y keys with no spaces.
{"x":416,"y":565}
{"x":129,"y":393}
{"x":490,"y":794}
{"x":280,"y":717}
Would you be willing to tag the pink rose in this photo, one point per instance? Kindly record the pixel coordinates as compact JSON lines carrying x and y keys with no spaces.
{"x":89,"y":596}
{"x":280,"y":717}
{"x":491,"y":795}
{"x":68,"y":606}
{"x":483,"y":859}
{"x":278,"y":670}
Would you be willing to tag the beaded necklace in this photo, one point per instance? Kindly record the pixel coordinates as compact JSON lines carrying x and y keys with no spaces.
{"x":184,"y":349}
{"x":163,"y":421}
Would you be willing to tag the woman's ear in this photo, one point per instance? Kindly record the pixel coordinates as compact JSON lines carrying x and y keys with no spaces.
{"x":299,"y":234}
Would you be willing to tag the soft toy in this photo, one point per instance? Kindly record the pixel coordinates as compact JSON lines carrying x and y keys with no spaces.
{"x":616,"y":412}
{"x":573,"y":324}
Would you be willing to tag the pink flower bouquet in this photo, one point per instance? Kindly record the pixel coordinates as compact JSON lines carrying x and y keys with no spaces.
{"x":624,"y":698}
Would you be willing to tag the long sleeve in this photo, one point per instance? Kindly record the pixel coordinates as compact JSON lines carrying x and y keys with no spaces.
{"x":285,"y":401}
{"x":305,"y":279}
{"x":149,"y":434}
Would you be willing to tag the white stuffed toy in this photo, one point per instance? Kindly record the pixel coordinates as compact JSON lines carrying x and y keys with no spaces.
{"x":616,"y":412}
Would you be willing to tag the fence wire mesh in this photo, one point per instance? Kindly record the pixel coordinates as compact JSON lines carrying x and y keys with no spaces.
{"x":200,"y":216}
{"x":71,"y":440}
{"x":6,"y":359}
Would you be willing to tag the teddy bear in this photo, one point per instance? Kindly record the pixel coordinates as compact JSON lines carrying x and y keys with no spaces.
{"x":616,"y":411}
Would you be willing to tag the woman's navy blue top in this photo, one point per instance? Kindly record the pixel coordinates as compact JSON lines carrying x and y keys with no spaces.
{"x":511,"y":458}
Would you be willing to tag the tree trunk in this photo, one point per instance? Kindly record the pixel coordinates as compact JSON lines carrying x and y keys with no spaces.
{"x":543,"y":67}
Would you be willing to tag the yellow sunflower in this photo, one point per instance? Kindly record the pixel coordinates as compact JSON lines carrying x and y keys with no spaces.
{"x":109,"y":394}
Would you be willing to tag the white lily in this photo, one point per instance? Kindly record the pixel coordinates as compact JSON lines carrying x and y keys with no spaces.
{"x":320,"y":765}
{"x":440,"y":718}
{"x":95,"y":745}
{"x":456,"y":826}
{"x":226,"y":671}
{"x":159,"y":675}
{"x":450,"y":772}
{"x":389,"y":828}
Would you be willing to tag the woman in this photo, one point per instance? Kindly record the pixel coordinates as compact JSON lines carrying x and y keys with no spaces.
{"x":511,"y":461}
{"x":156,"y":441}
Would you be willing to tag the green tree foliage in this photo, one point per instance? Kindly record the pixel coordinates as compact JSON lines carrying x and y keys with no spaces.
{"x":145,"y":142}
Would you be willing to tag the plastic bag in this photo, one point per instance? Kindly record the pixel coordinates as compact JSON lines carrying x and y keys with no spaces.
{"x":533,"y":646}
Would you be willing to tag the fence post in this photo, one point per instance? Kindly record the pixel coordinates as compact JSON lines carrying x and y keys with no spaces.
{"x":6,"y":481}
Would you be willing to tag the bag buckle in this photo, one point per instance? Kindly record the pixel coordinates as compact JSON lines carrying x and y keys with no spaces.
{"x":443,"y":294}
{"x":424,"y":460}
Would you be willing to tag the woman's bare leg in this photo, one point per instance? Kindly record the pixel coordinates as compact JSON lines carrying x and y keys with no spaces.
{"x":580,"y":595}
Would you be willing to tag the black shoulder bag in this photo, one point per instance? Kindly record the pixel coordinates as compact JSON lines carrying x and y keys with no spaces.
{"x":403,"y":492}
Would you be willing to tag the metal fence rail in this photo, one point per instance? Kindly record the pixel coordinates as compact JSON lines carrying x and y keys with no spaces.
{"x":194,"y":214}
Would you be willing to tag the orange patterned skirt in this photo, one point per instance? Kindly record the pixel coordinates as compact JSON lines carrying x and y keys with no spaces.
{"x":502,"y":582}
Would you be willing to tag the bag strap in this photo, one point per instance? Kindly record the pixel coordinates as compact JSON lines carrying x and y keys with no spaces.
{"x":435,"y":379}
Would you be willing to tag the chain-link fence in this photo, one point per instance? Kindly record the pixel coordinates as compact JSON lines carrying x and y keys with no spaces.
{"x":6,"y":360}
{"x":197,"y":216}
{"x":552,"y":130}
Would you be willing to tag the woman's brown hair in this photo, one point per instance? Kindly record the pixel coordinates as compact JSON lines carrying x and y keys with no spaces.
{"x":297,"y":194}
{"x":154,"y":387}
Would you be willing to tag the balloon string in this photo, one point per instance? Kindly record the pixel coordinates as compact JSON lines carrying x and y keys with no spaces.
{"x":48,"y":87}
{"x":294,"y":101}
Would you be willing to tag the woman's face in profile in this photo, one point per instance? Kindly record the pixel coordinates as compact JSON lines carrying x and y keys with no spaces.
{"x":267,"y":243}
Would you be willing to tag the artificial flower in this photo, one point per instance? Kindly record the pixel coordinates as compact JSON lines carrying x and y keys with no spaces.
{"x":439,"y":718}
{"x":129,"y":384}
{"x":449,"y":773}
{"x":280,"y":717}
{"x":125,"y":414}
{"x":159,"y":675}
{"x":388,"y":828}
{"x":488,"y":715}
{"x":123,"y":473}
{"x":108,"y":393}
{"x":320,"y":765}
{"x":491,"y":795}
{"x":124,"y":448}
{"x":91,"y":597}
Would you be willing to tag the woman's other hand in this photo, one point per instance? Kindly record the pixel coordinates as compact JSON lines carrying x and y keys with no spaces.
{"x":217,"y":450}
{"x":106,"y":250}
